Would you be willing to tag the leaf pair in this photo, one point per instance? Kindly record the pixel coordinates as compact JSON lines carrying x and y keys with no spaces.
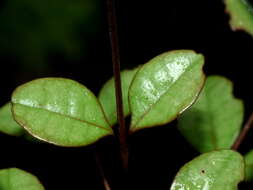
{"x":154,"y":94}
{"x":16,"y":179}
{"x":66,"y":113}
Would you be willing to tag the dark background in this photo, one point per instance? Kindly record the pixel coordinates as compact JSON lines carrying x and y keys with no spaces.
{"x":146,"y":29}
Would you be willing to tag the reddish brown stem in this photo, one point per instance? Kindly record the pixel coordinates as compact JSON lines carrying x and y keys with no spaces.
{"x":243,"y":134}
{"x":112,"y":21}
{"x":101,"y":171}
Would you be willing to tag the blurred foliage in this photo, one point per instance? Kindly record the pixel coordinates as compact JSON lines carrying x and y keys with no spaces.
{"x":32,"y":29}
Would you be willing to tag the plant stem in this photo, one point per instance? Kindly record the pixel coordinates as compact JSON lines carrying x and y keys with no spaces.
{"x":112,"y":21}
{"x":244,"y":132}
{"x":101,"y":171}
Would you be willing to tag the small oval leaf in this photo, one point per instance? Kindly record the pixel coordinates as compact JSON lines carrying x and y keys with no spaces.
{"x":241,"y":15}
{"x":107,"y":95}
{"x":7,"y":124}
{"x":249,"y":166}
{"x":59,"y":111}
{"x":158,"y":92}
{"x":215,"y":119}
{"x":217,"y":170}
{"x":10,"y":127}
{"x":16,"y":179}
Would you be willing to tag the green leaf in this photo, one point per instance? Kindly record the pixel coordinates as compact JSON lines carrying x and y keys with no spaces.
{"x":59,"y":111}
{"x":108,"y":99}
{"x":217,"y":170}
{"x":10,"y":127}
{"x":7,"y":124}
{"x":249,"y":166}
{"x":215,"y":120}
{"x":16,"y":179}
{"x":158,"y":92}
{"x":241,"y":15}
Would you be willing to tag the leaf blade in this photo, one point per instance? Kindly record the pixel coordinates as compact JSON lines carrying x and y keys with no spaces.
{"x":216,"y":170}
{"x":17,"y":179}
{"x":59,"y":111}
{"x":7,"y":123}
{"x":107,"y":95}
{"x":158,"y":81}
{"x":215,"y":120}
{"x":241,"y":15}
{"x":249,"y":166}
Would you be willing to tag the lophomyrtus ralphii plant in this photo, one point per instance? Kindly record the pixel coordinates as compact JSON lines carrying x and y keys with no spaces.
{"x":172,"y":85}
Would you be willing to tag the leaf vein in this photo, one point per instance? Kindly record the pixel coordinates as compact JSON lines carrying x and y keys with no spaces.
{"x":68,"y":116}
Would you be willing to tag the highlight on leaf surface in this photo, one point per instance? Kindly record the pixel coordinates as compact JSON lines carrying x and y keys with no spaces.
{"x":249,"y":166}
{"x":214,"y":121}
{"x":16,"y":179}
{"x":164,"y":87}
{"x":241,"y":15}
{"x":7,"y":124}
{"x":60,"y":111}
{"x":107,"y":95}
{"x":216,"y":170}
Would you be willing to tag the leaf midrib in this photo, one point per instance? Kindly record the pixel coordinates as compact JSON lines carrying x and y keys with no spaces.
{"x":68,"y":116}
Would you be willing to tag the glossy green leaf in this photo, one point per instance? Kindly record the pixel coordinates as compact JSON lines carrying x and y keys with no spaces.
{"x":59,"y":111}
{"x":108,"y":99}
{"x":16,"y":179}
{"x":7,"y":124}
{"x":249,"y":166}
{"x":215,"y":120}
{"x":165,"y":87}
{"x":217,"y":170}
{"x":241,"y":15}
